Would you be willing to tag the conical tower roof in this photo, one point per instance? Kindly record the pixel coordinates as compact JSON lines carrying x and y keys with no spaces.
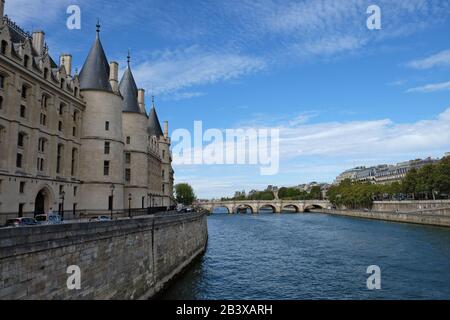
{"x":95,"y":72}
{"x":129,"y":91}
{"x":154,"y":128}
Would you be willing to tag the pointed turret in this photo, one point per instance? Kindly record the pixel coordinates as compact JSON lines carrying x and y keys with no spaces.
{"x":154,"y":128}
{"x":129,"y":91}
{"x":95,"y":71}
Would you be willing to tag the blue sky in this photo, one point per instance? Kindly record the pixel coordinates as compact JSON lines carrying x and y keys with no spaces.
{"x":341,"y":95}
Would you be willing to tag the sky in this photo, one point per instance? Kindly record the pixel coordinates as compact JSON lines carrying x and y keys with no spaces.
{"x":340,"y":95}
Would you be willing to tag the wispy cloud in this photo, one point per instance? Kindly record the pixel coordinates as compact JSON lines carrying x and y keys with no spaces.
{"x":444,"y":86}
{"x":175,"y":70}
{"x":441,"y":59}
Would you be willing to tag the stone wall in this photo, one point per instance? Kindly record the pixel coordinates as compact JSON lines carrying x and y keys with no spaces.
{"x":412,"y":206}
{"x":415,"y":218}
{"x":123,"y":259}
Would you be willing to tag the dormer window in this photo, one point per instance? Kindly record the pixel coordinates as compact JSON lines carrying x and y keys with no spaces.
{"x":45,"y":73}
{"x":26,"y":61}
{"x":63,"y":82}
{"x":4,"y":46}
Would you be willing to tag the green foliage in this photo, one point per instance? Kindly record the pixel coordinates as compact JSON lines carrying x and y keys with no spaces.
{"x":184,"y":194}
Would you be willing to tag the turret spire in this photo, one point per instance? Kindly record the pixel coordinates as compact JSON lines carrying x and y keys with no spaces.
{"x":98,"y":26}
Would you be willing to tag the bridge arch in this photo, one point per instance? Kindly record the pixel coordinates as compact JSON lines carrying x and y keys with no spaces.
{"x":290,"y":207}
{"x":310,"y":207}
{"x":245,"y":206}
{"x":218,"y":207}
{"x":266,"y":206}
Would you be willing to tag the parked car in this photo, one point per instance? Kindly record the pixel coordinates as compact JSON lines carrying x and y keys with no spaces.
{"x":100,"y":218}
{"x":21,"y":222}
{"x":45,"y":219}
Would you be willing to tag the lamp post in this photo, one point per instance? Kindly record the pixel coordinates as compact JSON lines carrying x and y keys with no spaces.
{"x":63,"y":194}
{"x":112,"y":187}
{"x":129,"y":205}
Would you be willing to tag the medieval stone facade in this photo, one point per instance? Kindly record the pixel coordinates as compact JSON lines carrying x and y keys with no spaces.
{"x":83,"y":141}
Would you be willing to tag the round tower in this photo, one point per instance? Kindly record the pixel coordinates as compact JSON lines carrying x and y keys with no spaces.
{"x":101,"y":163}
{"x":134,"y":121}
{"x":165,"y":154}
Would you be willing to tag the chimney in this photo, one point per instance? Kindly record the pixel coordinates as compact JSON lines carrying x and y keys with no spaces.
{"x":141,"y":100}
{"x":2,"y":10}
{"x":38,"y":41}
{"x":166,"y":129}
{"x":66,"y":61}
{"x":114,"y":76}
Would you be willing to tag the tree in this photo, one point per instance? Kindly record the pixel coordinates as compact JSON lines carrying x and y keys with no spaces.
{"x":184,"y":194}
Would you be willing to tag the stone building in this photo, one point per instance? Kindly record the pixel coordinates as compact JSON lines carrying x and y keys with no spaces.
{"x":75,"y":142}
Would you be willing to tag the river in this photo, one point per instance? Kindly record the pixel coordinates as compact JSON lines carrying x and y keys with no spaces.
{"x":316,"y":256}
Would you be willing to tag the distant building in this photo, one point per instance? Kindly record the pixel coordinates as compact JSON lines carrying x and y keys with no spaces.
{"x":384,"y":173}
{"x":397,"y":172}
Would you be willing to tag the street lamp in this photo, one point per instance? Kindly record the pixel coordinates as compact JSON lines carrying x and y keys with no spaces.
{"x":129,"y":205}
{"x":112,"y":187}
{"x":63,"y":194}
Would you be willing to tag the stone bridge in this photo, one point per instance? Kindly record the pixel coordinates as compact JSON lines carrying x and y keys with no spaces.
{"x":255,"y":206}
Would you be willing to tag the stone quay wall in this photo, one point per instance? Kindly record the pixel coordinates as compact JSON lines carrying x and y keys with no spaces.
{"x":122,"y":259}
{"x":441,"y":207}
{"x":416,"y":218}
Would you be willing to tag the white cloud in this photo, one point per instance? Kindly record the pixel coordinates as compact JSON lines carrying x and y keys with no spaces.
{"x":444,"y":86}
{"x":37,"y":11}
{"x":441,"y":59}
{"x":172,"y":71}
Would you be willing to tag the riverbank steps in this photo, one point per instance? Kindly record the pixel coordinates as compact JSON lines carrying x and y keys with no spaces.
{"x":123,"y":259}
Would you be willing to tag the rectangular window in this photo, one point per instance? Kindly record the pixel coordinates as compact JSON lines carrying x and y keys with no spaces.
{"x":164,"y":154}
{"x":19,"y":160}
{"x":60,"y":126}
{"x":24,"y":91}
{"x":107,"y":125}
{"x":75,"y":190}
{"x":22,"y":187}
{"x":23,"y":111}
{"x":1,"y":102}
{"x":127,"y":158}
{"x":107,"y":147}
{"x":1,"y":186}
{"x":74,"y":131}
{"x":2,"y":82}
{"x":163,"y":174}
{"x":128,"y":140}
{"x":40,"y":164}
{"x":106,"y":168}
{"x":127,"y":175}
{"x":21,"y":209}
{"x":59,"y":158}
{"x":43,"y":120}
{"x":61,"y":189}
{"x":110,"y":202}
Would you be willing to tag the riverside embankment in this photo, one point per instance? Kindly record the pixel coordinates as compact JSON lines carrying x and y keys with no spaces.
{"x":123,"y":259}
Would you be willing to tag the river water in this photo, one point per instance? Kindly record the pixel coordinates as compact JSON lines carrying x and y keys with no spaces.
{"x":316,"y":256}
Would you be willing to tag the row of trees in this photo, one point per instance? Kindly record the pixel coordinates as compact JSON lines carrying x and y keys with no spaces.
{"x":429,"y":182}
{"x":296,"y":194}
